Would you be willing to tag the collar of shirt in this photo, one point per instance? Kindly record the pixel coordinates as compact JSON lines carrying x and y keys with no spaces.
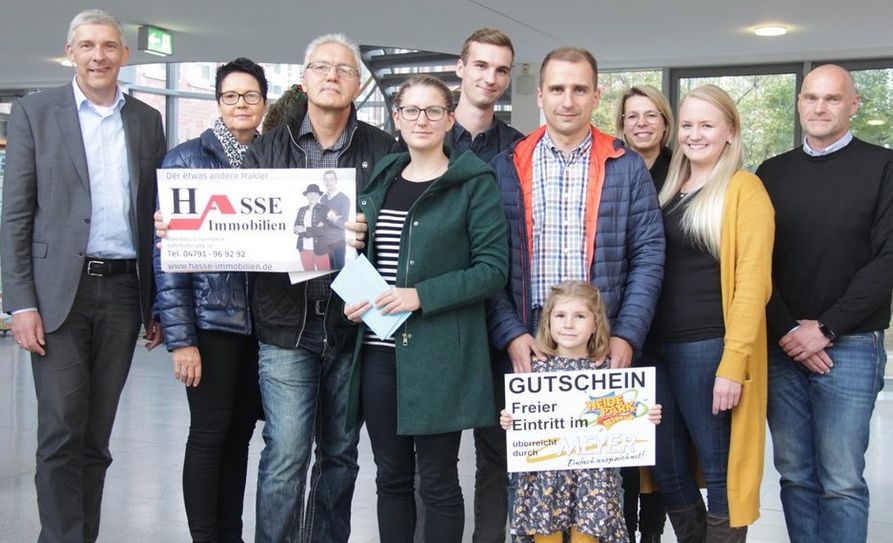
{"x":836,"y":146}
{"x":459,"y":133}
{"x":80,"y":99}
{"x":306,"y":132}
{"x":577,"y":152}
{"x":486,"y":145}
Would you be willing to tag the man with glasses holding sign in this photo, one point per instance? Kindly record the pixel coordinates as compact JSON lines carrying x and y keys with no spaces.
{"x":305,"y":341}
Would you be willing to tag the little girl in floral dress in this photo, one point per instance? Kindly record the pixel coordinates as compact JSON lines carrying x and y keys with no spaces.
{"x":587,"y":503}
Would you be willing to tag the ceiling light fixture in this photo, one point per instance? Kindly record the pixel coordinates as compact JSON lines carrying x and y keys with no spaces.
{"x":770,"y":30}
{"x":875,"y":122}
{"x":65,"y":62}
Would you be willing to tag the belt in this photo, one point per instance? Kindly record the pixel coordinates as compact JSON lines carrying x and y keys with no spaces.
{"x":95,"y":267}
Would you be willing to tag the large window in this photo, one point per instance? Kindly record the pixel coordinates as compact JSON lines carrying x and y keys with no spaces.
{"x":872,"y":122}
{"x":766,"y":98}
{"x":184,"y":94}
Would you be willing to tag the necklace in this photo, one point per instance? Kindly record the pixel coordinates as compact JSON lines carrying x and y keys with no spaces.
{"x":425,"y":176}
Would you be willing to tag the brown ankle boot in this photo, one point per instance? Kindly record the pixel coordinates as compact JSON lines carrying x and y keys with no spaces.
{"x":719,"y":531}
{"x":690,"y":524}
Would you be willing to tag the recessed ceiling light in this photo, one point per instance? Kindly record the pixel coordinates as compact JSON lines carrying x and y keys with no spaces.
{"x":65,"y":62}
{"x":875,"y":122}
{"x":770,"y":30}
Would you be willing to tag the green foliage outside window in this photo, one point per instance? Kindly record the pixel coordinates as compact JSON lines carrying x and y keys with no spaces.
{"x":767,"y":105}
{"x":874,"y":120}
{"x":613,"y":84}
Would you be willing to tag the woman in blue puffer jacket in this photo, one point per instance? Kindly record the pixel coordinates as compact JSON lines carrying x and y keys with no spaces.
{"x":207,"y":326}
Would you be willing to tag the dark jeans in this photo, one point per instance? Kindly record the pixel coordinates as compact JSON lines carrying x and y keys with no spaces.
{"x":396,"y":456}
{"x":686,"y":373}
{"x":78,"y":384}
{"x":650,"y":516}
{"x":223,"y":411}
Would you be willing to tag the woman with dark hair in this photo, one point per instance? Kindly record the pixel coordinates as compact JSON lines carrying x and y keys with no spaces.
{"x":207,"y":325}
{"x":438,"y":237}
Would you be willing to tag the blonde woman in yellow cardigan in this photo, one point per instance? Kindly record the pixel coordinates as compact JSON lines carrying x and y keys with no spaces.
{"x":710,"y":325}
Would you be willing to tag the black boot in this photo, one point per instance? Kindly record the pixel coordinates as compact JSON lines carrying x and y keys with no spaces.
{"x":690,"y":524}
{"x":649,"y":538}
{"x":719,"y":531}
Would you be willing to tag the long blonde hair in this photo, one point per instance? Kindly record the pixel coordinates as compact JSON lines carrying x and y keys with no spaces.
{"x":598,"y":344}
{"x":702,"y":220}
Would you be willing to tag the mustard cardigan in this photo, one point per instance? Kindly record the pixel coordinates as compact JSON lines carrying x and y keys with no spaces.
{"x":745,"y":264}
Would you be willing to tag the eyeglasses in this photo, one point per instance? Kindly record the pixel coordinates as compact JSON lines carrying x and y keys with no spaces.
{"x":321,"y":69}
{"x":231,"y":98}
{"x":650,"y":117}
{"x":432,"y":113}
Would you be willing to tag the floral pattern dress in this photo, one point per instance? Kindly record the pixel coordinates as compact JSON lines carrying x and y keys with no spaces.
{"x":589,"y":500}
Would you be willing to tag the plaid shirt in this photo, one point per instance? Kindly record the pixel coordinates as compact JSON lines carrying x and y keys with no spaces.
{"x":317,"y":157}
{"x":559,"y":213}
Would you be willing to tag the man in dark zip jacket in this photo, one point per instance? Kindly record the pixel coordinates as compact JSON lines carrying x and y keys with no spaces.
{"x":305,"y":342}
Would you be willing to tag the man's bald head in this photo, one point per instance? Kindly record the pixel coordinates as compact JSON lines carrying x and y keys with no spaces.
{"x":837,"y":73}
{"x":827,"y":100}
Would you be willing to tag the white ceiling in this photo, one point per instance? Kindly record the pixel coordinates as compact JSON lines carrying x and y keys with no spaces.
{"x":622,"y":34}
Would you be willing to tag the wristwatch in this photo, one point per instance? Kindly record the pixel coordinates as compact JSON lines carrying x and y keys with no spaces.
{"x":827,"y":332}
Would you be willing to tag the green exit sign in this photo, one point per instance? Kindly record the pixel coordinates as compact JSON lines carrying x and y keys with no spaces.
{"x":156,"y":41}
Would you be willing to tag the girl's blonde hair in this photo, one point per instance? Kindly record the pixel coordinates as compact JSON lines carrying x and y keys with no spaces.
{"x":702,"y":220}
{"x":598,"y":343}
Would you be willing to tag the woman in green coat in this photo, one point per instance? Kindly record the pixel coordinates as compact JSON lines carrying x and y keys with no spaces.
{"x":438,"y":237}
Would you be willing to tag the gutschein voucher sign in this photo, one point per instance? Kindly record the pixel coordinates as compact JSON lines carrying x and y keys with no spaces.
{"x":253,"y":220}
{"x":580,"y":419}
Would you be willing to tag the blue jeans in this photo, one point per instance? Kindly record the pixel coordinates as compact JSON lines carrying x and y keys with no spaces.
{"x":685,"y":374}
{"x":819,"y":426}
{"x":304,"y":396}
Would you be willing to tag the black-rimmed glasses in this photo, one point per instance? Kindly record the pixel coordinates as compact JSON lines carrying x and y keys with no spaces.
{"x":231,"y":98}
{"x":432,"y":113}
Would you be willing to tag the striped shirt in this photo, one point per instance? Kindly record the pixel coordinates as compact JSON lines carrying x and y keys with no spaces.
{"x":386,"y":238}
{"x":560,"y":181}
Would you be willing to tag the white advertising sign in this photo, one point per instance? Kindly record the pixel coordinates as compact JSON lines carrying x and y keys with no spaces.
{"x":580,"y":419}
{"x":271,"y":220}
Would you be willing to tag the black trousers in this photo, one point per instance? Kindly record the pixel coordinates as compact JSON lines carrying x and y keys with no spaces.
{"x":396,"y":455}
{"x":223,"y":410}
{"x":78,"y":384}
{"x":491,"y":472}
{"x":650,"y":518}
{"x":336,"y":255}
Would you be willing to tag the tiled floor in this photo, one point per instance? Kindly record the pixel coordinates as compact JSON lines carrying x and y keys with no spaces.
{"x":143,"y":501}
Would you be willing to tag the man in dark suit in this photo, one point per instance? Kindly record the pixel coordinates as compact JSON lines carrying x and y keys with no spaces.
{"x":77,"y":263}
{"x":339,"y":207}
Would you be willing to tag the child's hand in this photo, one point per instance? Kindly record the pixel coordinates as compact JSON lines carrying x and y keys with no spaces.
{"x":654,"y":414}
{"x":505,"y":419}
